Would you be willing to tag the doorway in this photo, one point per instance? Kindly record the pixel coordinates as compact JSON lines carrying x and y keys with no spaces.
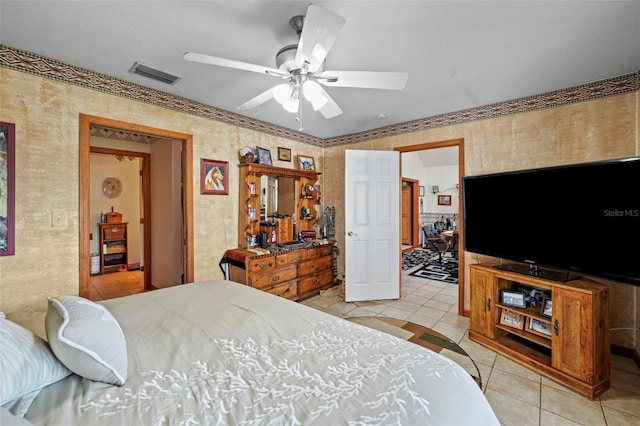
{"x":186,"y":197}
{"x":459,"y":143}
{"x":409,"y":216}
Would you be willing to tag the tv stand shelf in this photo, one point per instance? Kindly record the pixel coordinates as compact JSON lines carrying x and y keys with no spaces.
{"x":571,"y":347}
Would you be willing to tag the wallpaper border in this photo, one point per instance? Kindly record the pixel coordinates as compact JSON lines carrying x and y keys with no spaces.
{"x":31,"y":63}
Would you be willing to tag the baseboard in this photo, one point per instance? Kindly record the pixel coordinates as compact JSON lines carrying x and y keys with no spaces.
{"x":626,"y":352}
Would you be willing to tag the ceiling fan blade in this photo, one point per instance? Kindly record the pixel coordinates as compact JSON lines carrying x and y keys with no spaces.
{"x":258,"y":100}
{"x":319,"y":32}
{"x":331,"y":108}
{"x":230,"y":63}
{"x":364,"y":79}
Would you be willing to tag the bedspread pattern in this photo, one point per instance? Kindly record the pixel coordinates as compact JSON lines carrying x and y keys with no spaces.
{"x":223,"y":353}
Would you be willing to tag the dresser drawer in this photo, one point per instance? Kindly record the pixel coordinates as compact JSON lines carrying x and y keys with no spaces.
{"x":312,"y":253}
{"x":326,"y":250}
{"x":314,"y":266}
{"x":287,"y":290}
{"x":315,"y":282}
{"x":291,"y":257}
{"x":269,"y":279}
{"x":262,"y":264}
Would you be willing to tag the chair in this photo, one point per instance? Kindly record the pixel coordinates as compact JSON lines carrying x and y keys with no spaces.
{"x":434,"y":241}
{"x":453,"y":245}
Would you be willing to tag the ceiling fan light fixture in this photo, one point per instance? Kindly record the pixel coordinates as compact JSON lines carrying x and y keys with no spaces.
{"x":313,"y":93}
{"x":282,"y":93}
{"x":291,"y":105}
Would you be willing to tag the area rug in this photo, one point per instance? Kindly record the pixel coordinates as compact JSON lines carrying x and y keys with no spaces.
{"x":422,"y":336}
{"x":411,"y":258}
{"x":446,"y":271}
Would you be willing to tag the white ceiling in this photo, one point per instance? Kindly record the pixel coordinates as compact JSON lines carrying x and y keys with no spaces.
{"x":459,"y":54}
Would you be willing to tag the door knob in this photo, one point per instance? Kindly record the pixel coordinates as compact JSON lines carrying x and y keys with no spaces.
{"x":351,"y":234}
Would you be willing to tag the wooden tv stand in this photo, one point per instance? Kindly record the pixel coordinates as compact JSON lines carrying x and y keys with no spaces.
{"x":571,"y":347}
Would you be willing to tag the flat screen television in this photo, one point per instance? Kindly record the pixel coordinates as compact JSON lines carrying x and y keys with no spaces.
{"x":558,"y":222}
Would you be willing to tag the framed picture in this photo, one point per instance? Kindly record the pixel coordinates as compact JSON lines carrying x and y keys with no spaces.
{"x":214,"y":177}
{"x":284,"y":154}
{"x":512,"y":319}
{"x":306,"y":162}
{"x":545,"y":310}
{"x":444,"y":200}
{"x":541,"y":328}
{"x":421,"y":190}
{"x":264,"y":156}
{"x":7,"y":189}
{"x":516,"y":299}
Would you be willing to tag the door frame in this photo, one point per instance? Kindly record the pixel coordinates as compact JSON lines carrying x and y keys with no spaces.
{"x":85,"y":122}
{"x":146,"y":203}
{"x":459,"y":143}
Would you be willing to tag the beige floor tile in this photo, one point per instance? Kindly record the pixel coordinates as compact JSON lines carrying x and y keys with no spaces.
{"x":548,"y":418}
{"x":623,"y":380}
{"x":615,"y":417}
{"x":395,"y":313}
{"x":341,"y":308}
{"x":405,"y":306}
{"x":450,"y":300}
{"x":511,"y":411}
{"x":422,"y":320}
{"x":515,"y":386}
{"x":622,"y":400}
{"x":571,"y":406}
{"x":416,"y":299}
{"x":452,"y":331}
{"x":505,"y":364}
{"x":430,"y":313}
{"x":441,"y":306}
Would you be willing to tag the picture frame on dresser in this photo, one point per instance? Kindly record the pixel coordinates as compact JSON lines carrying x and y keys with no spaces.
{"x":546,"y":307}
{"x":512,"y":319}
{"x":515,"y":299}
{"x":7,"y":188}
{"x":214,"y":177}
{"x":306,"y":162}
{"x":541,"y":328}
{"x":264,"y":156}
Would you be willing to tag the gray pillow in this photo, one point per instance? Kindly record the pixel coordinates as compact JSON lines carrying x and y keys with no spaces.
{"x":27,"y":365}
{"x":87,"y":339}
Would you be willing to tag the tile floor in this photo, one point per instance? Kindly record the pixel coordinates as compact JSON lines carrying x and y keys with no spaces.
{"x":518,"y":396}
{"x":115,"y":284}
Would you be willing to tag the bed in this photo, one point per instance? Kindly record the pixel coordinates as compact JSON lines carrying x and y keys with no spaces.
{"x":217,"y":353}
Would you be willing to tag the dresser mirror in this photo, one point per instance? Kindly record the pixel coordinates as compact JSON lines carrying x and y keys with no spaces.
{"x":278,"y":196}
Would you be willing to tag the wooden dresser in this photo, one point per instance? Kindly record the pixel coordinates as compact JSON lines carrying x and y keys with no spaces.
{"x":294,"y":274}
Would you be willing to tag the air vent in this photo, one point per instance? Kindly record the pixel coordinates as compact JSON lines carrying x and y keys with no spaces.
{"x":147,"y":71}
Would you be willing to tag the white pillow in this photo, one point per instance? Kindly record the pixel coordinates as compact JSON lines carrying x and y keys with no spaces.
{"x":87,"y":339}
{"x":26,"y":364}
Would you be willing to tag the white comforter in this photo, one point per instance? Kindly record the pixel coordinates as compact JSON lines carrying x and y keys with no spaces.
{"x":222,"y":353}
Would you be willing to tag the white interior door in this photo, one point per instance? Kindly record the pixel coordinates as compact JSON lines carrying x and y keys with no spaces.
{"x":372,"y":225}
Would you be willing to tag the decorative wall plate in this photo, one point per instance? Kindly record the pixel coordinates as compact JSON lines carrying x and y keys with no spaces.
{"x":112,"y":187}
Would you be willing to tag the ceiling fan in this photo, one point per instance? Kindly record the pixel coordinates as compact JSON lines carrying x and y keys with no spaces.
{"x":302,"y":66}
